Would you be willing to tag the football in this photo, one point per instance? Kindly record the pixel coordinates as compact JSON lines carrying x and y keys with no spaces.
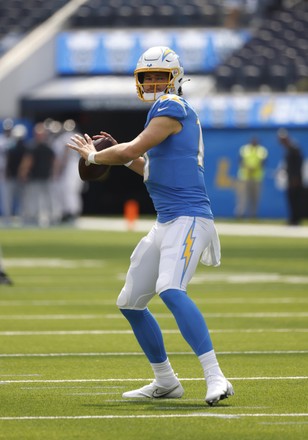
{"x":91,"y":172}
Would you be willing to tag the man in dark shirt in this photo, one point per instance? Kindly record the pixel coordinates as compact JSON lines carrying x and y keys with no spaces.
{"x":14,"y":188}
{"x":293,"y":167}
{"x":36,"y":171}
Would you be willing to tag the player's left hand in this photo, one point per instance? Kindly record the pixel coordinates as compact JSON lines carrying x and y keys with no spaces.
{"x":105,"y":136}
{"x":83,"y":145}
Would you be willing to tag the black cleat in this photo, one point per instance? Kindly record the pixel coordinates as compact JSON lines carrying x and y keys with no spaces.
{"x":4,"y":279}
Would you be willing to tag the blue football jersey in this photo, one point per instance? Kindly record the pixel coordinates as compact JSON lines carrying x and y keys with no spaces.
{"x":174,"y":169}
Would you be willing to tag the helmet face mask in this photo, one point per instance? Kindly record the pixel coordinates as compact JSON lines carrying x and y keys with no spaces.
{"x":158,"y":59}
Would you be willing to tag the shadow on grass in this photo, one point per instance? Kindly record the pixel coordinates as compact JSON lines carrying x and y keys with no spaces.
{"x":161,"y":405}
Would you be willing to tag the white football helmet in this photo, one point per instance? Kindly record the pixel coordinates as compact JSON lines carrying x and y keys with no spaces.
{"x":159,"y":59}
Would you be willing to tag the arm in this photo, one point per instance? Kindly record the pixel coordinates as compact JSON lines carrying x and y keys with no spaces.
{"x":25,"y":167}
{"x":156,"y":132}
{"x":137,"y":166}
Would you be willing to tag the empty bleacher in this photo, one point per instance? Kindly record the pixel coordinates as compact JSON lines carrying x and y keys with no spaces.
{"x":276,"y":56}
{"x":19,"y":17}
{"x":147,"y":13}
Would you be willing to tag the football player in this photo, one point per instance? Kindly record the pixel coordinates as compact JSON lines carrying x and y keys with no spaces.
{"x":169,"y":154}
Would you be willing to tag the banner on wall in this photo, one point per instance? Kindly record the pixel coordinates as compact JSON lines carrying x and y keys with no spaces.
{"x":253,"y":111}
{"x":111,"y":52}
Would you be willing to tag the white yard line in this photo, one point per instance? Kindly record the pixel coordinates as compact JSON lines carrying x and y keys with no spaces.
{"x":199,"y":278}
{"x":156,"y":416}
{"x":159,"y":315}
{"x":284,"y":423}
{"x":220,"y":300}
{"x":231,"y":315}
{"x":242,"y":229}
{"x":52,"y":303}
{"x":187,"y":379}
{"x":52,"y":263}
{"x":106,"y":354}
{"x":244,"y":278}
{"x":130,"y":332}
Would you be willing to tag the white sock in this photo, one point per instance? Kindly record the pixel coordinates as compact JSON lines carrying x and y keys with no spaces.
{"x":210,"y":364}
{"x":164,"y":374}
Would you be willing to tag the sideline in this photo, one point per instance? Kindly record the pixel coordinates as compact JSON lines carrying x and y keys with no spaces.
{"x":241,"y":229}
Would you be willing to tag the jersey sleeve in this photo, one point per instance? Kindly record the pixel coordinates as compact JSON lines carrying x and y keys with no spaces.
{"x":169,"y":105}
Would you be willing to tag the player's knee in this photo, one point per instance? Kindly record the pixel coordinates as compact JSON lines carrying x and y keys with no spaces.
{"x":163,"y":282}
{"x":123,"y":299}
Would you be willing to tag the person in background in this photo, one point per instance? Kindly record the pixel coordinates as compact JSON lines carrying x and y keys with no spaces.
{"x":67,"y":183}
{"x":169,"y":154}
{"x":293,"y":167}
{"x":36,"y":172}
{"x":14,"y":186}
{"x":250,"y":177}
{"x":5,"y":142}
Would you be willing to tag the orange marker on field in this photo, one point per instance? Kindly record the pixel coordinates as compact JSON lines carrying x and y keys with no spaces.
{"x":131,"y":212}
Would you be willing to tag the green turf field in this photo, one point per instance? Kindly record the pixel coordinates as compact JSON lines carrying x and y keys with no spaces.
{"x":67,"y":354}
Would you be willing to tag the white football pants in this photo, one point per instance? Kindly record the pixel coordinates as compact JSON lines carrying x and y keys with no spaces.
{"x":165,"y":259}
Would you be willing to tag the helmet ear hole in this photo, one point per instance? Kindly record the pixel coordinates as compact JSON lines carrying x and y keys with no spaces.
{"x":180,"y":91}
{"x":141,"y":77}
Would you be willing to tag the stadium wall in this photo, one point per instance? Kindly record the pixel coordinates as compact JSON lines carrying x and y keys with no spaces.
{"x":222,"y":159}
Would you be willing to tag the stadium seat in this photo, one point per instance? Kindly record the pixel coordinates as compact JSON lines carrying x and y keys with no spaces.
{"x":18,"y":18}
{"x":276,"y":55}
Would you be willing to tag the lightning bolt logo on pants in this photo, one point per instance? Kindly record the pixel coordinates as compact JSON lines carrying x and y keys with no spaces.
{"x":188,"y":251}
